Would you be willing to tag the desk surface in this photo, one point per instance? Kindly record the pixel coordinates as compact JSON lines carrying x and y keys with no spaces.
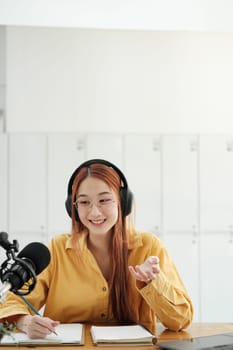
{"x":195,"y":330}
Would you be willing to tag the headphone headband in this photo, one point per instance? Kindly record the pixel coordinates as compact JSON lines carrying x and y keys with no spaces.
{"x":87,"y":163}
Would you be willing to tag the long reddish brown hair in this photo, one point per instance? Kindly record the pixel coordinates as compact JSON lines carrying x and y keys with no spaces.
{"x":119,"y":244}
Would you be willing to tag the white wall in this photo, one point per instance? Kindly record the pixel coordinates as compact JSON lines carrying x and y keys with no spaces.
{"x":118,"y":80}
{"x":210,"y":15}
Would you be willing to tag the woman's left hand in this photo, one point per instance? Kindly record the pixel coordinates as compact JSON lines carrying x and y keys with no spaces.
{"x":147,"y":271}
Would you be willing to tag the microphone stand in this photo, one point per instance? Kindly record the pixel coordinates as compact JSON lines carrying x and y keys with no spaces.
{"x":11,"y":249}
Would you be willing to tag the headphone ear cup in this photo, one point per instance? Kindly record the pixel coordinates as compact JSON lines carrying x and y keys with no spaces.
{"x":68,"y":205}
{"x":126,"y":201}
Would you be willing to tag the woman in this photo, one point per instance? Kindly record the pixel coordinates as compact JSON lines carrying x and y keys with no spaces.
{"x":104,"y":271}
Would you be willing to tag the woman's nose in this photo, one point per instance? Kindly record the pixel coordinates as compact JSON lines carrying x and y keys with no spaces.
{"x":94,"y":209}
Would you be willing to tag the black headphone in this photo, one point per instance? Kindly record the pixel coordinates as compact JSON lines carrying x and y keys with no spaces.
{"x":126,"y":196}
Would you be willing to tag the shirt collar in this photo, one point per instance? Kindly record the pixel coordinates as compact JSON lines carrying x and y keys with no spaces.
{"x":81,"y":241}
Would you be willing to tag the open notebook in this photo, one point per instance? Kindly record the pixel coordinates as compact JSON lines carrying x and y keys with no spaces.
{"x":67,"y":334}
{"x":121,"y":335}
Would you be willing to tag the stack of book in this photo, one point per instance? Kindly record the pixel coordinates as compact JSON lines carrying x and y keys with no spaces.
{"x":122,"y":335}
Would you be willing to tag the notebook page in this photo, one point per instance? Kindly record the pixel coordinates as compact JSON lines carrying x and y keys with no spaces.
{"x":70,"y":333}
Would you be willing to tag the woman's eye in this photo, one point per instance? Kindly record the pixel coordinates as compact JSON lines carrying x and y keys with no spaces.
{"x":84,"y":203}
{"x":105,"y":200}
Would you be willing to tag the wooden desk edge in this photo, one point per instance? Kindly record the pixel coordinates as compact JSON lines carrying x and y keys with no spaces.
{"x":194,"y":330}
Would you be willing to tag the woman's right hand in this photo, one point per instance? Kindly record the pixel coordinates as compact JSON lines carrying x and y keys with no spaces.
{"x":36,"y":326}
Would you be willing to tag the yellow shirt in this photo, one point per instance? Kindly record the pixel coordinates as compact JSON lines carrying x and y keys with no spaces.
{"x":78,"y":292}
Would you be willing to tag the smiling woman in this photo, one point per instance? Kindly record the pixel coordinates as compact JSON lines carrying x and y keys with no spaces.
{"x":106,"y":269}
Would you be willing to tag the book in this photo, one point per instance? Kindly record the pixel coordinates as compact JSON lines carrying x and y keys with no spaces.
{"x":122,"y":335}
{"x":67,"y":334}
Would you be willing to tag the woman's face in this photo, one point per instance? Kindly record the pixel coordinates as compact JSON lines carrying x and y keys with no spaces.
{"x":97,"y":206}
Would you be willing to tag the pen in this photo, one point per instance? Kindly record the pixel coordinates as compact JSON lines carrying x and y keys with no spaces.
{"x":32,"y":308}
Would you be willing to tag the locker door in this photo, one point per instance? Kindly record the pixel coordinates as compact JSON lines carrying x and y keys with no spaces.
{"x":216,"y":222}
{"x":184,"y":251}
{"x":105,"y":146}
{"x":216,"y":277}
{"x":180,"y":183}
{"x":3,"y":191}
{"x":180,"y":208}
{"x":142,"y":170}
{"x":216,"y":190}
{"x":3,"y":183}
{"x":2,"y":106}
{"x":66,"y":151}
{"x":27,"y":186}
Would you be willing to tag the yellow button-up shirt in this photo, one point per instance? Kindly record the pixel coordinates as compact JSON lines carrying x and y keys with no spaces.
{"x":76,"y":291}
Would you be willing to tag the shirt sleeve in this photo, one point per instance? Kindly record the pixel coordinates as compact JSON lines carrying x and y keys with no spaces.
{"x":166,"y":294}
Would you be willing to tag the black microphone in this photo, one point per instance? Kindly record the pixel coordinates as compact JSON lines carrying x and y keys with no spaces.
{"x":37,"y":255}
{"x":19,"y":276}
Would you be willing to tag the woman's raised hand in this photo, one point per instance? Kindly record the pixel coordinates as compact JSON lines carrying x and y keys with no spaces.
{"x":147,"y":271}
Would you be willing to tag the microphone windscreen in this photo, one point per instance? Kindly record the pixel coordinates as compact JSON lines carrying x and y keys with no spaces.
{"x":38,"y":254}
{"x":3,"y":236}
{"x":4,"y":240}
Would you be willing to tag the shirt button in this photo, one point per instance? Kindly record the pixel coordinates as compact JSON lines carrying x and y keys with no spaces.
{"x":104,"y":289}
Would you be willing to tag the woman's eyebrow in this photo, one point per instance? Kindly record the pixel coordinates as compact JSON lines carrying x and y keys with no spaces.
{"x":82,"y":195}
{"x":99,"y":194}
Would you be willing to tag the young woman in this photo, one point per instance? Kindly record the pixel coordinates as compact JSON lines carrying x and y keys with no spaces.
{"x":104,"y":271}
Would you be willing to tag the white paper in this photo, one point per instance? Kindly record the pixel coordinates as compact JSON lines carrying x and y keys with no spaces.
{"x":67,"y":333}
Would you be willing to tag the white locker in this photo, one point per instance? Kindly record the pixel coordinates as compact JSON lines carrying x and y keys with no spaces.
{"x":180,"y":183}
{"x":105,"y":146}
{"x":180,"y":208}
{"x":184,"y":251}
{"x":216,"y":277}
{"x":3,"y":183}
{"x":66,"y":151}
{"x":3,"y":191}
{"x":216,"y":175}
{"x":2,"y":107}
{"x":216,"y":222}
{"x":28,"y":186}
{"x":142,"y":169}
